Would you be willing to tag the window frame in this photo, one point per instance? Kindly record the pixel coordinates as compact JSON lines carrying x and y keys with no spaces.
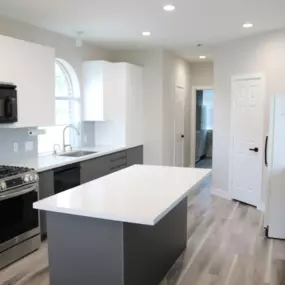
{"x":71,"y":90}
{"x":73,"y":96}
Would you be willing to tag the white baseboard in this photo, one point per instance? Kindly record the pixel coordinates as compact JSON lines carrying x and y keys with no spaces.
{"x":261,"y":206}
{"x":220,"y":193}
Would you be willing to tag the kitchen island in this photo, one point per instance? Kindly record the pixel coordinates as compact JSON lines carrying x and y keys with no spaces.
{"x":126,"y":228}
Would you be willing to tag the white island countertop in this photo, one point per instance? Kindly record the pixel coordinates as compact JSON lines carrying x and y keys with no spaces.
{"x":139,"y":194}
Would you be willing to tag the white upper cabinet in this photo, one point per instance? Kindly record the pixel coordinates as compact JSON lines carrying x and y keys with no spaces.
{"x":31,"y":67}
{"x":113,"y":93}
{"x":97,"y":78}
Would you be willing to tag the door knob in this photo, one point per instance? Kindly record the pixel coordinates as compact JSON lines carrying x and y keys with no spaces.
{"x":182,"y":136}
{"x":254,"y":149}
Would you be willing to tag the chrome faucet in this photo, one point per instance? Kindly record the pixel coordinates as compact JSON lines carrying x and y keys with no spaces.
{"x":63,"y":136}
{"x":56,"y":148}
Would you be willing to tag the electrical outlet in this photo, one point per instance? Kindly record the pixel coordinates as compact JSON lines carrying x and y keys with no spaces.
{"x":16,"y":147}
{"x":29,"y":146}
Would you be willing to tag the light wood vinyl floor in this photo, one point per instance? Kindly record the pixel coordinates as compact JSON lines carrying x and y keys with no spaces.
{"x":226,"y":246}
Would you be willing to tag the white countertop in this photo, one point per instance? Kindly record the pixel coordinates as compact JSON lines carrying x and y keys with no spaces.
{"x":46,"y":162}
{"x":139,"y":194}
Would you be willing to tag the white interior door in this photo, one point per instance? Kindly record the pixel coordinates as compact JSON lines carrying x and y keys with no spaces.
{"x":247,"y":135}
{"x":179,"y":126}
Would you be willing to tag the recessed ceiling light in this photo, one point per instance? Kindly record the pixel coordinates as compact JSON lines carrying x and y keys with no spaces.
{"x":146,"y":34}
{"x":169,"y":7}
{"x":202,"y":56}
{"x":247,"y":25}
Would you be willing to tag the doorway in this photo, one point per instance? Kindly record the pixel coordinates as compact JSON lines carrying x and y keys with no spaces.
{"x":247,"y":134}
{"x":202,"y":146}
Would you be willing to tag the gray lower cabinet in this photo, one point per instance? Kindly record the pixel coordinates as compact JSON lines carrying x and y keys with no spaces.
{"x":117,"y":161}
{"x":90,"y":170}
{"x":104,"y":165}
{"x":46,"y":189}
{"x":94,"y":168}
{"x":135,"y":156}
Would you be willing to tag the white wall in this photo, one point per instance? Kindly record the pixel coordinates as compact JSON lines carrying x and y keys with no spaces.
{"x":162,"y":71}
{"x":176,"y":72}
{"x":64,"y":46}
{"x":202,"y":74}
{"x":152,"y":63}
{"x":263,"y":53}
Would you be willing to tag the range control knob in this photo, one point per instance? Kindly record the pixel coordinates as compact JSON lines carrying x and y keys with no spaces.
{"x":3,"y":186}
{"x":27,"y":178}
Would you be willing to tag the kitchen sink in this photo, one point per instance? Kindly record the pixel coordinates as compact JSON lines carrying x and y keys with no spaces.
{"x":79,"y":153}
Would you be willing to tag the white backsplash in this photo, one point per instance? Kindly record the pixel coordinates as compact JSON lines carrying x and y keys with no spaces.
{"x":18,"y":144}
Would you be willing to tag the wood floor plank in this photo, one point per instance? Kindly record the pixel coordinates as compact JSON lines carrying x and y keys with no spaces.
{"x":278,"y":249}
{"x":226,"y":246}
{"x":278,"y":272}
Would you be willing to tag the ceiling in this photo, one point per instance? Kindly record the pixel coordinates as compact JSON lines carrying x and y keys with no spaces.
{"x":119,"y":23}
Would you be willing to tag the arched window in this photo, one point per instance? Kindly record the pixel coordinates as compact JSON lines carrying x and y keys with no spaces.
{"x":67,"y":97}
{"x":67,"y":109}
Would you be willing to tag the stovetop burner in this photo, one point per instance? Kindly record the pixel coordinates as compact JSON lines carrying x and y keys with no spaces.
{"x":6,"y":170}
{"x":12,"y":177}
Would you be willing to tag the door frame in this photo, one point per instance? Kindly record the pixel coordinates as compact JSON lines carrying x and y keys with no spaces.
{"x":174,"y":122}
{"x":261,"y":76}
{"x":193,"y":120}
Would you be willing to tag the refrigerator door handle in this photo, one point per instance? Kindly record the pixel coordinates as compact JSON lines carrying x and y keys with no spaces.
{"x":265,"y":151}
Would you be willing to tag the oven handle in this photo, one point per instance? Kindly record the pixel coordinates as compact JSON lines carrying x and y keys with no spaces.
{"x":9,"y":108}
{"x":19,"y":193}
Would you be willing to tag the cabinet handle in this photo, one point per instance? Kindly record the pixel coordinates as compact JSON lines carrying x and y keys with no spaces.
{"x":118,"y":166}
{"x":119,"y":158}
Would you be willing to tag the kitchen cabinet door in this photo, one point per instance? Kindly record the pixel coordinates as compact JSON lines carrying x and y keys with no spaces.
{"x":135,"y":156}
{"x":46,"y":189}
{"x":94,"y":168}
{"x":114,"y":92}
{"x":31,"y":67}
{"x":98,"y":90}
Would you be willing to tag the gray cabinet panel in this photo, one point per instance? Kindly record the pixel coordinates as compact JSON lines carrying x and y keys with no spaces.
{"x":117,"y":156}
{"x":94,"y":168}
{"x":46,"y":189}
{"x":135,"y":156}
{"x":118,"y":161}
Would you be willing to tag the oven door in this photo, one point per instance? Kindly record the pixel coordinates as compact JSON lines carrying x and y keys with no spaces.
{"x":18,"y":220}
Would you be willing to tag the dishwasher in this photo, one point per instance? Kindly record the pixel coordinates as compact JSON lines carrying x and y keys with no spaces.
{"x":66,"y":177}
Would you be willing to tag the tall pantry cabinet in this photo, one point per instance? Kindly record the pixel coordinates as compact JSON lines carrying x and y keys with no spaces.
{"x":113,"y":98}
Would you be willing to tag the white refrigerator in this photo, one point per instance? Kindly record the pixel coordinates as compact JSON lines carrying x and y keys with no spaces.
{"x":275,"y":161}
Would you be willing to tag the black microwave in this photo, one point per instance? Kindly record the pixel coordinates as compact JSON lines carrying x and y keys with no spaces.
{"x":8,"y":103}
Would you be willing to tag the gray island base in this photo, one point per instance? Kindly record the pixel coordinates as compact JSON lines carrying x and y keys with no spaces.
{"x":91,"y":251}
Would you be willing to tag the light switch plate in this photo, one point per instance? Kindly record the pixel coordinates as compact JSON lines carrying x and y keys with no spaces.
{"x":29,"y":146}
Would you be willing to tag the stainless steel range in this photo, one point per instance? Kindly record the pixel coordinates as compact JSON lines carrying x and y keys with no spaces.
{"x":19,"y":222}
